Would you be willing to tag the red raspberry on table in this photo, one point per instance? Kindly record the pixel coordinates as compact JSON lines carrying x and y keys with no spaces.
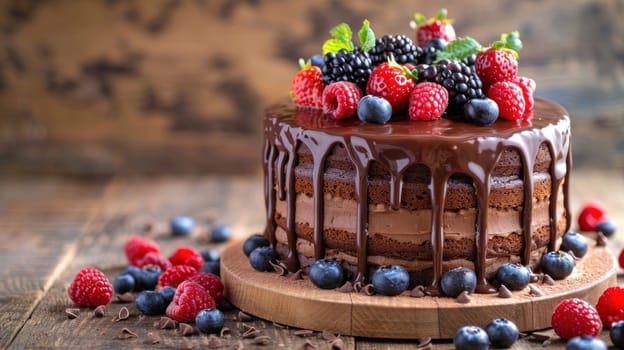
{"x":528,"y":88}
{"x":496,"y":65}
{"x":137,"y":247}
{"x":152,"y":258}
{"x":175,"y":275}
{"x":341,"y":99}
{"x":91,"y":288}
{"x":436,"y":27}
{"x":621,"y":259}
{"x":591,"y":214}
{"x":189,"y":299}
{"x":389,"y":80}
{"x":508,"y":97}
{"x":575,"y":317}
{"x":187,"y":256}
{"x":610,"y":305}
{"x":307,"y":86}
{"x":212,"y":283}
{"x":428,"y":101}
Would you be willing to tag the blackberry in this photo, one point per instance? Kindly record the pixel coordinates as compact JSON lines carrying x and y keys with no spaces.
{"x":400,"y":46}
{"x":461,"y":81}
{"x":429,"y":53}
{"x":354,"y":66}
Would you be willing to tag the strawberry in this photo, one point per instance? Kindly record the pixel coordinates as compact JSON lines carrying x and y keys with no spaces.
{"x":610,"y":305}
{"x":494,"y":65}
{"x":391,"y":81}
{"x":575,"y":317}
{"x":528,"y":88}
{"x":508,"y":97}
{"x":428,"y":101}
{"x":436,"y":27}
{"x":341,"y":99}
{"x":307,"y":86}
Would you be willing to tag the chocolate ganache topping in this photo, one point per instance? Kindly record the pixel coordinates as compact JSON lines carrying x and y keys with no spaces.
{"x":446,"y":147}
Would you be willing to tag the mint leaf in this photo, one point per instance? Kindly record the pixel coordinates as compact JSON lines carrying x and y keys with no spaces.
{"x":420,"y":18}
{"x":458,"y":49}
{"x":335,"y":45}
{"x":441,"y":14}
{"x":342,"y":32}
{"x":511,"y":41}
{"x":341,"y":39}
{"x":367,"y":36}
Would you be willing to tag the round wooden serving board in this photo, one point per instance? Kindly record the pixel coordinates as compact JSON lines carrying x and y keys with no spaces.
{"x":298,"y":303}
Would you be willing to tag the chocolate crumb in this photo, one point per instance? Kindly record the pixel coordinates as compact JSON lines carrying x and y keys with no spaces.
{"x":303,"y":333}
{"x":186,"y":329}
{"x":346,"y":288}
{"x":214,"y":342}
{"x":262,"y":340}
{"x":308,"y":345}
{"x":463,"y":297}
{"x":124,"y":314}
{"x":357,"y":286}
{"x":149,"y":227}
{"x":535,"y":291}
{"x":166,"y":323}
{"x":546,"y":343}
{"x":540,"y":337}
{"x":298,"y":275}
{"x":125,"y":297}
{"x":327,"y":335}
{"x":243,"y":317}
{"x":279,"y":325}
{"x":225,"y":331}
{"x":151,"y":339}
{"x":424,"y":343}
{"x":368,"y":289}
{"x":417,"y":292}
{"x":126,"y":334}
{"x":99,"y":311}
{"x":504,"y":292}
{"x":548,"y":280}
{"x":534,"y":278}
{"x":72,"y":313}
{"x":240,"y":345}
{"x":337,"y":344}
{"x":251,"y":332}
{"x":601,"y":239}
{"x":279,"y":268}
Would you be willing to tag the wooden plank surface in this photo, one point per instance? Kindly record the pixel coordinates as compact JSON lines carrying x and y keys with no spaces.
{"x":50,"y":229}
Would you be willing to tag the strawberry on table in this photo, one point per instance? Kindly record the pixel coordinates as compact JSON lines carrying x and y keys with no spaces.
{"x":307,"y":85}
{"x":436,"y":27}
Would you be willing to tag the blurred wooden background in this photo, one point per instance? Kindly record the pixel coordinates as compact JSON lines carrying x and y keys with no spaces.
{"x":103,"y":87}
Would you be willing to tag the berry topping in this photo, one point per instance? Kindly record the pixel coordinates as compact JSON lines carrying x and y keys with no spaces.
{"x":182,"y":225}
{"x":123,"y":284}
{"x":189,"y":299}
{"x":399,"y":47}
{"x":154,"y":259}
{"x":428,"y":101}
{"x":391,"y":81}
{"x":187,"y":256}
{"x":390,"y":280}
{"x":220,"y":233}
{"x":502,"y":332}
{"x":307,"y":86}
{"x":585,"y":343}
{"x":341,"y":99}
{"x":591,"y":214}
{"x":253,"y":242}
{"x":481,"y":111}
{"x":316,"y":60}
{"x":326,"y":274}
{"x":495,"y":66}
{"x":557,"y":264}
{"x":374,"y":109}
{"x":575,"y":317}
{"x":457,"y":280}
{"x":508,"y":97}
{"x":513,"y":276}
{"x":211,"y":283}
{"x":574,"y":242}
{"x":137,"y":247}
{"x":610,"y":305}
{"x":437,"y":27}
{"x":606,"y":227}
{"x":210,"y":320}
{"x":617,"y":334}
{"x":528,"y":88}
{"x":261,"y":258}
{"x":91,"y":288}
{"x":471,"y":338}
{"x":150,"y":303}
{"x":175,"y":275}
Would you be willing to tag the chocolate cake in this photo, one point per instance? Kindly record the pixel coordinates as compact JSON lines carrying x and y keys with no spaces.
{"x":428,"y":196}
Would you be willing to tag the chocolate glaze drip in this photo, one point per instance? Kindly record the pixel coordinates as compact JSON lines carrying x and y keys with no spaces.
{"x":446,"y":147}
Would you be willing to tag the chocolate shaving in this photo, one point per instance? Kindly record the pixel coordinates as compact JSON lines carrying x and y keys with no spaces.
{"x":126,"y":334}
{"x":346,"y":288}
{"x":540,"y":337}
{"x":243,"y":317}
{"x":533,"y":278}
{"x":548,"y":280}
{"x":573,"y":255}
{"x":463,"y":297}
{"x":309,"y":345}
{"x":214,"y":342}
{"x":186,"y":329}
{"x":262,"y":340}
{"x":280,"y":268}
{"x":166,"y":323}
{"x":337,"y":344}
{"x":278,"y":325}
{"x":417,"y":292}
{"x":124,"y":314}
{"x":303,"y":333}
{"x":424,"y":343}
{"x":251,"y":332}
{"x":298,"y":275}
{"x":240,"y":345}
{"x":72,"y":313}
{"x":327,"y":335}
{"x":368,"y":289}
{"x":99,"y":311}
{"x":126,"y":297}
{"x":225,"y":332}
{"x":504,"y":292}
{"x":601,"y":239}
{"x":546,"y":343}
{"x":535,"y":291}
{"x":151,"y":339}
{"x":357,"y":286}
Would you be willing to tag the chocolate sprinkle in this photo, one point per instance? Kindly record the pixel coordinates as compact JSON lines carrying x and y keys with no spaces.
{"x":535,"y":291}
{"x":601,"y":239}
{"x":346,"y":288}
{"x":243,"y":317}
{"x":424,"y":343}
{"x":126,"y":334}
{"x":151,"y":339}
{"x":303,"y":333}
{"x":368,"y":289}
{"x":357,"y":286}
{"x":533,"y":278}
{"x":251,"y":332}
{"x":126,"y":297}
{"x":99,"y":311}
{"x":214,"y":342}
{"x":417,"y":292}
{"x":279,"y":268}
{"x":337,"y":344}
{"x":548,"y":280}
{"x":298,"y":275}
{"x":166,"y":323}
{"x":124,"y":314}
{"x":327,"y":335}
{"x":186,"y":329}
{"x":463,"y":297}
{"x":504,"y":292}
{"x":262,"y":340}
{"x":72,"y":313}
{"x":309,"y":345}
{"x":225,"y":332}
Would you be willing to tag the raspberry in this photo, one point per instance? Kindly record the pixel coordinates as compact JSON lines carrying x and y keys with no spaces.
{"x":341,"y":99}
{"x":390,"y":81}
{"x":610,"y":305}
{"x":495,"y":65}
{"x":175,"y":275}
{"x":211,"y":283}
{"x":152,"y":258}
{"x":137,"y":247}
{"x":575,"y":317}
{"x":621,"y":259}
{"x":591,"y":214}
{"x":189,"y":299}
{"x":427,"y":101}
{"x":90,"y":288}
{"x":508,"y":97}
{"x":187,"y":256}
{"x":528,"y":88}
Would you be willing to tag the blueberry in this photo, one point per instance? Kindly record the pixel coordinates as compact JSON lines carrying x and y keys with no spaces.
{"x":261,"y":257}
{"x":513,"y":276}
{"x":148,"y":278}
{"x":437,"y":43}
{"x":374,"y":109}
{"x":606,"y":227}
{"x":210,"y":255}
{"x":617,"y":334}
{"x":471,"y":338}
{"x":253,"y":242}
{"x":136,"y":274}
{"x":167,"y":293}
{"x":317,"y":60}
{"x":150,"y":302}
{"x":213,"y":267}
{"x":557,"y":264}
{"x":209,"y":320}
{"x":575,"y":242}
{"x":457,"y":280}
{"x":481,"y":111}
{"x":502,"y":332}
{"x":182,"y":225}
{"x":585,"y":342}
{"x":220,"y":233}
{"x":390,"y":280}
{"x":124,"y":283}
{"x":326,"y":274}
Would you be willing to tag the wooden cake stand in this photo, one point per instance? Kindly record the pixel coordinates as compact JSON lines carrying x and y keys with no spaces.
{"x":298,"y":303}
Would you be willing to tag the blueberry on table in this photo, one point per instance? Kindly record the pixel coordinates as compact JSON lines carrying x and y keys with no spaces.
{"x":374,"y":109}
{"x":481,"y":111}
{"x":261,"y":257}
{"x":326,"y":274}
{"x":606,"y":227}
{"x":220,"y":234}
{"x":167,"y":293}
{"x":457,"y":280}
{"x":617,"y":334}
{"x":213,"y":267}
{"x":148,"y":278}
{"x":574,"y":242}
{"x":585,"y":342}
{"x":182,"y":225}
{"x":471,"y":338}
{"x":502,"y":332}
{"x":513,"y":276}
{"x":254,"y":241}
{"x":557,"y":264}
{"x":150,"y":302}
{"x":124,"y":283}
{"x":209,"y":320}
{"x":390,"y":280}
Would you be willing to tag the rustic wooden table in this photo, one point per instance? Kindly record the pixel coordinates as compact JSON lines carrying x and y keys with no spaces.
{"x":50,"y":228}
